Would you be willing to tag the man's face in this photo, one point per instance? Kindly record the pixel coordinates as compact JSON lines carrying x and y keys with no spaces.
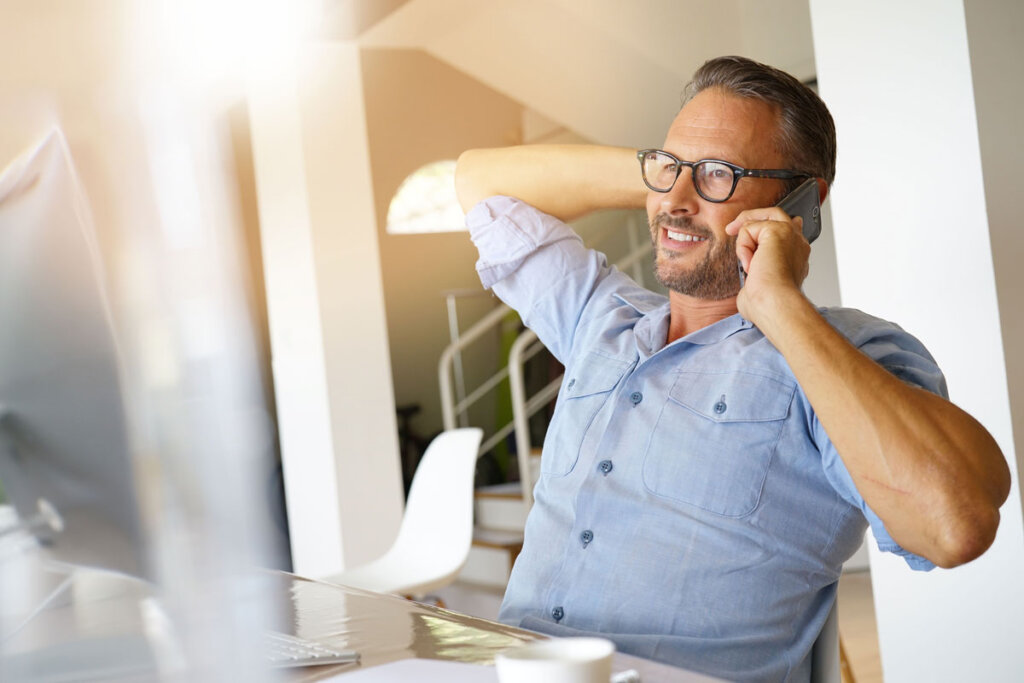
{"x":693,"y":255}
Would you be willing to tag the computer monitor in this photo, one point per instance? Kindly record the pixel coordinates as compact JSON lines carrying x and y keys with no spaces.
{"x":65,"y":459}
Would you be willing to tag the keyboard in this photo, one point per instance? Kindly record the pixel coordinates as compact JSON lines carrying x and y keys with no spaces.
{"x":286,"y":651}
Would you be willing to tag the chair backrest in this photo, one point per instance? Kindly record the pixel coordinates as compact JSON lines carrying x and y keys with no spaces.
{"x":438,"y":522}
{"x":825,"y":667}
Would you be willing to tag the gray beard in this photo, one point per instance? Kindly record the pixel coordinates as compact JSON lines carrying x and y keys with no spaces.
{"x":714,"y":278}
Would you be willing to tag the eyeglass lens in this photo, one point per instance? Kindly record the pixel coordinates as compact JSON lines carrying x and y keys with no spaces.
{"x":713,"y":179}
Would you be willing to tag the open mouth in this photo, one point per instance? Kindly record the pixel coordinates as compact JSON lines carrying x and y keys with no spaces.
{"x":683,"y":237}
{"x":680,"y":240}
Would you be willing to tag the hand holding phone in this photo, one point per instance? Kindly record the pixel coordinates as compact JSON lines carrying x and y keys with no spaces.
{"x":803,"y":202}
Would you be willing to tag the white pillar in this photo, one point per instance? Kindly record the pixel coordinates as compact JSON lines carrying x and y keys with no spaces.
{"x":997,"y":66}
{"x":918,"y":206}
{"x":332,"y":370}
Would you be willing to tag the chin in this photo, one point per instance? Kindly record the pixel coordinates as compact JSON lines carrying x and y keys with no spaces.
{"x":707,"y":286}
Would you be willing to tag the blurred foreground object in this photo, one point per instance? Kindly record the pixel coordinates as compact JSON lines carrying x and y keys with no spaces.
{"x":134,"y":429}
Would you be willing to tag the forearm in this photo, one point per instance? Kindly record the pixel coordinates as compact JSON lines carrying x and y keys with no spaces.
{"x":566,"y":181}
{"x":930,"y":471}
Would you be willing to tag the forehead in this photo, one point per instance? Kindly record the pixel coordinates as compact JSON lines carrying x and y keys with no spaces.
{"x":718,"y":125}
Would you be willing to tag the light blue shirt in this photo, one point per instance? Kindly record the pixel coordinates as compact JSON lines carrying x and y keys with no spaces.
{"x":690,"y":506}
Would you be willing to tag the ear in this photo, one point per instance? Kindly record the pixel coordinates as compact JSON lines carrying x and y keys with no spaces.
{"x":822,"y":190}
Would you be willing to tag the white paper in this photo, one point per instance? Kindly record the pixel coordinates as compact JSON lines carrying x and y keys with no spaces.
{"x":421,"y":671}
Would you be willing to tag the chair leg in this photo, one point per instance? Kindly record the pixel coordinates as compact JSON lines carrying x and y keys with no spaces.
{"x":845,"y":671}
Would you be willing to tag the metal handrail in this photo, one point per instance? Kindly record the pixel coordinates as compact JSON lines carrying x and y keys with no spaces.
{"x":491,"y":382}
{"x":523,"y":409}
{"x":477,"y":330}
{"x":451,"y":300}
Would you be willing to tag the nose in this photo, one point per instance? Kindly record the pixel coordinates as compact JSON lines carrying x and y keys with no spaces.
{"x":682,"y":199}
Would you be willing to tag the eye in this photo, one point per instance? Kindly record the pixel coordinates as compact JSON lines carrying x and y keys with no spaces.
{"x":712,"y":171}
{"x":718,"y":172}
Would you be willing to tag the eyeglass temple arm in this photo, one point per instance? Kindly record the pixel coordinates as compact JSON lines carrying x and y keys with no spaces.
{"x":775,"y":173}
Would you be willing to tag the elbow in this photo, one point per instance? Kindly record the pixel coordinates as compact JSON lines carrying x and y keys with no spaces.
{"x":970,"y":517}
{"x":966,"y":536}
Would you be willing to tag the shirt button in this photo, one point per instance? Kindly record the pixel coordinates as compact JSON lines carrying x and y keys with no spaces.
{"x":720,"y":407}
{"x":636,"y":397}
{"x":557,"y":614}
{"x":572,"y":383}
{"x":586,"y":537}
{"x":605,"y":466}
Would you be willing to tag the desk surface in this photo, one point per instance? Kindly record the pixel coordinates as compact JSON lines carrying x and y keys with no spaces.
{"x":385,"y":628}
{"x":382,"y":628}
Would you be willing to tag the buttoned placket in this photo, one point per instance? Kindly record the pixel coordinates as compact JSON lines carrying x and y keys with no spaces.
{"x":625,"y":399}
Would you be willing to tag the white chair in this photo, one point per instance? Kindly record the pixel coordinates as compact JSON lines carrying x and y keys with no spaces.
{"x":828,"y":659}
{"x":437,"y":527}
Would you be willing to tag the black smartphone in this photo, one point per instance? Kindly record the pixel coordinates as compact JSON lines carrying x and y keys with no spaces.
{"x":803,"y":202}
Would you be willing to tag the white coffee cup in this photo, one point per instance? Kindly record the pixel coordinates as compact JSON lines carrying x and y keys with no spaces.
{"x":560,"y":660}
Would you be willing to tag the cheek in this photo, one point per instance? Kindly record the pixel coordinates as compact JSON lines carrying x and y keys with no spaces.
{"x":716,"y":219}
{"x":765,"y":192}
{"x":730,"y":215}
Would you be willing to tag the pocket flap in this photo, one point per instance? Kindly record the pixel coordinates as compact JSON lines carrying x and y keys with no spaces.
{"x":594,"y":374}
{"x":733,"y":396}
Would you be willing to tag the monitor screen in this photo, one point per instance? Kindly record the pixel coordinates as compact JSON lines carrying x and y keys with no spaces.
{"x":64,"y":444}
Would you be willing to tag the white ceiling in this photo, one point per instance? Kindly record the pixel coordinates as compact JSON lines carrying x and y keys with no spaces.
{"x":609,"y":70}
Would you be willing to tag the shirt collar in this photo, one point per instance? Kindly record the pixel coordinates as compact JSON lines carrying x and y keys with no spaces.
{"x":651,"y":331}
{"x":719,"y":331}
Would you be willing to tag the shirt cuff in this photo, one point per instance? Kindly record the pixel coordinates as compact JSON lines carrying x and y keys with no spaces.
{"x":506,"y":231}
{"x":887,"y":545}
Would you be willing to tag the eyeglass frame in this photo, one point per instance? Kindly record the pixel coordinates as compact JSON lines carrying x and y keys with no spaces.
{"x":738,"y":172}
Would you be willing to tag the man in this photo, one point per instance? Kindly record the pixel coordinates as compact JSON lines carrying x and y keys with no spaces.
{"x":714,"y":458}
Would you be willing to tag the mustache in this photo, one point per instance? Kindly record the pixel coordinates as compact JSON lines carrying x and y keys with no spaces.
{"x":684,"y":223}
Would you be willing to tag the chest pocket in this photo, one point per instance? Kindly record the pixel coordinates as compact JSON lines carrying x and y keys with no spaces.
{"x":585,"y":390}
{"x":715,"y":438}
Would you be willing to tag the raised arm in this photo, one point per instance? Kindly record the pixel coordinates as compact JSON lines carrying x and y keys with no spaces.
{"x":929,"y":470}
{"x":566,"y":181}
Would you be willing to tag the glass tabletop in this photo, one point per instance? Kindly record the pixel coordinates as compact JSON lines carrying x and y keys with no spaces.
{"x":124,"y":626}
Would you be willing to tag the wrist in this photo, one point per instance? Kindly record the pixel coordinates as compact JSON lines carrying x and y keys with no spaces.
{"x":778,"y":312}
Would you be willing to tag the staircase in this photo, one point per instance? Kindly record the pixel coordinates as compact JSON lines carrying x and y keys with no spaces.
{"x":500,"y":515}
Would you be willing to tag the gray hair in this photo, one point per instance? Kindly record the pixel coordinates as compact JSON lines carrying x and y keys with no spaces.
{"x":806,"y":134}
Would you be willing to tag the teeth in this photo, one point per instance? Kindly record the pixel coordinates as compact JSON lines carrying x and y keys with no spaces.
{"x":683,"y":237}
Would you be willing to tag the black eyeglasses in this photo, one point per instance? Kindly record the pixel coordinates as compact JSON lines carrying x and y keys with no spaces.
{"x":714,"y":180}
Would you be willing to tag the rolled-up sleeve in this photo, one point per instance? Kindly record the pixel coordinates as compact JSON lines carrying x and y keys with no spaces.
{"x":537,"y":265}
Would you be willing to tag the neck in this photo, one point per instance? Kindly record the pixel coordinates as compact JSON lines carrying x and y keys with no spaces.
{"x":688,"y":314}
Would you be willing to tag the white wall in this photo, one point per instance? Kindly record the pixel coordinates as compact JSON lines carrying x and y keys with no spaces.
{"x":420,"y":110}
{"x":914,"y":245}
